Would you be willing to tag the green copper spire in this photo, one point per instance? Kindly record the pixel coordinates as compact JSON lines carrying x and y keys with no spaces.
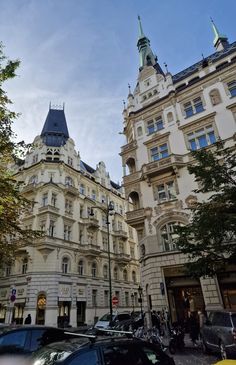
{"x":140,"y":28}
{"x":146,"y":56}
{"x":220,"y":41}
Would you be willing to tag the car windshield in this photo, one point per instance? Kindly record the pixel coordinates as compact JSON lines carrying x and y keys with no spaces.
{"x":234,"y":319}
{"x":123,"y":317}
{"x":106,"y":318}
{"x":48,"y":355}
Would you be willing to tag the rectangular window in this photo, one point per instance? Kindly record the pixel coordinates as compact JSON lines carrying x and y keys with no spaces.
{"x":67,"y":232}
{"x":165,"y":191}
{"x":52,"y":229}
{"x":150,"y":127}
{"x":43,"y":226}
{"x":201,"y":138}
{"x":232,"y":88}
{"x":94,"y":297}
{"x":54,"y":199}
{"x":159,"y":124}
{"x":159,"y":152}
{"x":193,"y":107}
{"x":45,"y":199}
{"x":126,"y":299}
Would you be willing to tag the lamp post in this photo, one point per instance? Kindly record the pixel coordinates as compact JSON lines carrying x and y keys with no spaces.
{"x":140,"y":300}
{"x":109,"y":208}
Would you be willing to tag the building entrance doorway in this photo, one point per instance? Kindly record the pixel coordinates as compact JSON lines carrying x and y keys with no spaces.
{"x":184,"y":295}
{"x":41,"y":307}
{"x":81,"y":309}
{"x":227,"y":284}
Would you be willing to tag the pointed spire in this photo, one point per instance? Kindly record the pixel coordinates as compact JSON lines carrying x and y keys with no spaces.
{"x":140,"y":28}
{"x":220,"y":41}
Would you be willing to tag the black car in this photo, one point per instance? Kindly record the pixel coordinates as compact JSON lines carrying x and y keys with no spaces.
{"x":32,"y":337}
{"x":103,"y":351}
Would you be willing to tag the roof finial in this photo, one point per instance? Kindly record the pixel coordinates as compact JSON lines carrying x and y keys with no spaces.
{"x":129,"y":88}
{"x":124,"y":105}
{"x":220,"y":41}
{"x":166,"y":67}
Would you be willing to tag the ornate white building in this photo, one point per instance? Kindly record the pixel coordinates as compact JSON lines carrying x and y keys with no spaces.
{"x":166,"y":117}
{"x":66,"y":270}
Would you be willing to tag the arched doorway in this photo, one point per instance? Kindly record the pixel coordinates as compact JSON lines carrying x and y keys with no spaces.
{"x":41,"y":307}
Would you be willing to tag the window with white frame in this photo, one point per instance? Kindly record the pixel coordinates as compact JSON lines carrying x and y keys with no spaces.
{"x":94,"y":270}
{"x":104,"y":220}
{"x":125,"y":275}
{"x":67,"y":232}
{"x":202,"y":137}
{"x":165,"y":191}
{"x":81,"y":268}
{"x":93,"y":195}
{"x":65,"y":265}
{"x":159,"y":152}
{"x":168,"y":236}
{"x":69,"y":206}
{"x":155,"y":125}
{"x":54,"y":199}
{"x":134,"y":278}
{"x":105,"y":243}
{"x":45,"y":199}
{"x":42,"y":226}
{"x":82,"y":189}
{"x":193,"y":107}
{"x":8,"y":270}
{"x":126,"y":298}
{"x":232,"y":88}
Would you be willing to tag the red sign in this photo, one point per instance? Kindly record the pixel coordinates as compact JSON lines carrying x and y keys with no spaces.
{"x":115,"y":300}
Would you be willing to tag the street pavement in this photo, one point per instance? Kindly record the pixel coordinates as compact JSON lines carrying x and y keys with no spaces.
{"x":194,"y":356}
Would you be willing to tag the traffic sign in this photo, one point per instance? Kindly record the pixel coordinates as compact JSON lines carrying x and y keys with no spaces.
{"x":12,"y":298}
{"x":115,"y":300}
{"x":13,"y":291}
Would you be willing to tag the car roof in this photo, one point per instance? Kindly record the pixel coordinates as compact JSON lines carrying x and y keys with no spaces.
{"x":9,"y":328}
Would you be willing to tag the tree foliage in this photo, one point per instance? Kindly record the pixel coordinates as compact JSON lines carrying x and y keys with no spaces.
{"x":12,"y":203}
{"x":210,"y":239}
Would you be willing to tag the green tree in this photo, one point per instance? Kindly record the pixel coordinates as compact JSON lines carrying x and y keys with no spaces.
{"x":209,"y":240}
{"x":12,"y":203}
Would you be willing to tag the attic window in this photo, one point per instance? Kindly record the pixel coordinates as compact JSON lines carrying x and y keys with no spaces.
{"x":221,"y":65}
{"x":180,"y":87}
{"x":192,"y":81}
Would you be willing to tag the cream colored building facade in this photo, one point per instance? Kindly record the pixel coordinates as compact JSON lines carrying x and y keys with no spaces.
{"x":165,"y":118}
{"x":66,"y":270}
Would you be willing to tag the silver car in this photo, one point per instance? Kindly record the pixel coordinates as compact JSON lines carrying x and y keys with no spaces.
{"x":219,"y":333}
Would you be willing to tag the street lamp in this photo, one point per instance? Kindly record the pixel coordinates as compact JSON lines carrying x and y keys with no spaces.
{"x":140,"y":300}
{"x":109,"y":208}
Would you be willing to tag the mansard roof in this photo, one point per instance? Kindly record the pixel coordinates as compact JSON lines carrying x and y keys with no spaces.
{"x":55,"y":132}
{"x":210,"y":59}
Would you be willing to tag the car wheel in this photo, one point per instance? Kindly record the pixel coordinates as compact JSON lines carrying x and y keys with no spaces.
{"x":223,"y":352}
{"x":205,"y":349}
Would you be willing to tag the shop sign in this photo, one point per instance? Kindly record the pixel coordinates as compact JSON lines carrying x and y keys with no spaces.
{"x":20,"y":292}
{"x":80,"y":292}
{"x":64,"y":291}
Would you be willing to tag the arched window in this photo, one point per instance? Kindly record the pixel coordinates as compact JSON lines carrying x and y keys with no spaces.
{"x":115,"y":273}
{"x":125,"y":275}
{"x":24,"y":266}
{"x":168,"y":236}
{"x":170,"y":117}
{"x":105,"y":271}
{"x":94,"y":270}
{"x":33,"y":179}
{"x":134,"y":278}
{"x":81,"y":268}
{"x":215,"y":97}
{"x":65,"y":265}
{"x":69,"y":181}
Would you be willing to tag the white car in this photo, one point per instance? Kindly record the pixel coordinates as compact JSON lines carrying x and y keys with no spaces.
{"x":104,"y":321}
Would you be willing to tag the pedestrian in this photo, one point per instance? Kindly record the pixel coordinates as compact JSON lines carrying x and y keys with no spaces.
{"x":156,"y":321}
{"x":193,"y":328}
{"x":28,"y":319}
{"x":65,"y":320}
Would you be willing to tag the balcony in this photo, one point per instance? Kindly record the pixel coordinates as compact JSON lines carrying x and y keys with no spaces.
{"x":71,"y":190}
{"x":91,"y":250}
{"x":128,"y":147}
{"x":120,"y":233}
{"x":123,"y":258}
{"x":135,"y":217}
{"x":92,"y":223}
{"x":48,"y":208}
{"x":30,"y":188}
{"x":172,"y":162}
{"x":132,"y":178}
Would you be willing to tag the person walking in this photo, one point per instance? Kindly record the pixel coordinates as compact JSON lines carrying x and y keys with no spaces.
{"x":193,"y":328}
{"x":28,"y":319}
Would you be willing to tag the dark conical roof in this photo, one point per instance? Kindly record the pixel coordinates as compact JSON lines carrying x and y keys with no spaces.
{"x":55,"y":132}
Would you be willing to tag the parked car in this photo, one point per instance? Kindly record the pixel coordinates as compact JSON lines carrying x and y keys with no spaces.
{"x":219,"y":333}
{"x":104,"y":321}
{"x":31,"y":337}
{"x":103,"y":351}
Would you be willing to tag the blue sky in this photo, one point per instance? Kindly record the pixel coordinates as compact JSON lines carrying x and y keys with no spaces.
{"x":83,"y":53}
